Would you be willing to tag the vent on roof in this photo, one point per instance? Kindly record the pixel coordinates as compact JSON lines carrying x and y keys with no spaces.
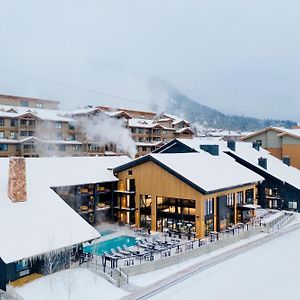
{"x":256,"y":145}
{"x":263,"y":162}
{"x":211,"y":149}
{"x":17,"y":179}
{"x":231,"y":145}
{"x":286,"y":160}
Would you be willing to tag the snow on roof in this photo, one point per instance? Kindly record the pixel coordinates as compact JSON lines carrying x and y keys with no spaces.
{"x":44,"y":222}
{"x":8,"y":141}
{"x":45,"y":114}
{"x":145,"y":144}
{"x":292,"y":132}
{"x":144,"y":123}
{"x":84,"y":110}
{"x":208,"y":172}
{"x":164,"y":120}
{"x":251,"y":134}
{"x":84,"y":169}
{"x":184,"y":129}
{"x":244,"y":150}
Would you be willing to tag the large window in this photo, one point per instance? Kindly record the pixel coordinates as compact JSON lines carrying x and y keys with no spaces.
{"x":1,"y":122}
{"x":239,"y":196}
{"x":24,"y":103}
{"x":209,"y":206}
{"x":1,"y":134}
{"x":3,"y":147}
{"x":13,"y":122}
{"x":58,"y":125}
{"x":145,"y":210}
{"x":175,"y":213}
{"x":23,"y":265}
{"x":230,"y":199}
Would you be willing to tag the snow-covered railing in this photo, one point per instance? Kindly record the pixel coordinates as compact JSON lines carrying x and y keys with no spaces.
{"x":276,"y":220}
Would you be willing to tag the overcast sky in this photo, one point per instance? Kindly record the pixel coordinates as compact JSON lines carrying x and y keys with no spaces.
{"x":237,"y":56}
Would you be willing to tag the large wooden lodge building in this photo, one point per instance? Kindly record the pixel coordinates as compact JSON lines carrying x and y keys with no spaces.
{"x":187,"y":190}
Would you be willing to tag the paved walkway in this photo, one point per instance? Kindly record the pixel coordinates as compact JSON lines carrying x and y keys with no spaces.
{"x":157,"y":287}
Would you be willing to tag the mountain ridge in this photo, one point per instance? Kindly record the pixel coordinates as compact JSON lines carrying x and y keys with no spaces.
{"x":179,"y":104}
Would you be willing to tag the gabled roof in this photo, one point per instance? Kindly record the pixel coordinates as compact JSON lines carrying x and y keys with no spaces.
{"x":120,"y":113}
{"x":44,"y":222}
{"x":201,"y":171}
{"x":278,"y":129}
{"x":290,"y":132}
{"x":181,"y":130}
{"x":245,"y":151}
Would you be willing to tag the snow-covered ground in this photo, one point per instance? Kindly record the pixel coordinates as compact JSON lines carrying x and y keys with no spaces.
{"x":266,"y":272}
{"x":73,"y":284}
{"x":154,"y":276}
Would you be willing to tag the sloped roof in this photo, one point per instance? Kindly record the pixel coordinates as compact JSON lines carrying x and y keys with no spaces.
{"x":202,"y":171}
{"x":278,"y":129}
{"x":245,"y":151}
{"x":44,"y":222}
{"x":291,"y":132}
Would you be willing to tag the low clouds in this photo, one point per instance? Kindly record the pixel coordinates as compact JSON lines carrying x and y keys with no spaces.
{"x":236,"y":56}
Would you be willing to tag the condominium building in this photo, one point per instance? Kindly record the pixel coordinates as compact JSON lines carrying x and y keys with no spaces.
{"x":281,"y":142}
{"x":32,"y":127}
{"x":28,"y":102}
{"x":151,"y":130}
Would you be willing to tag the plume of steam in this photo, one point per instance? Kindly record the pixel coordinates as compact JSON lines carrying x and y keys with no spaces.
{"x":103,"y":130}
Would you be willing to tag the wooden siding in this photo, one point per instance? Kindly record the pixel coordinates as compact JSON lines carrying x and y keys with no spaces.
{"x":151,"y":179}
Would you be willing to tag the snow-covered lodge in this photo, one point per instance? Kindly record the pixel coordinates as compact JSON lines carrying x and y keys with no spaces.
{"x":188,"y":190}
{"x":280,"y":188}
{"x":35,"y":221}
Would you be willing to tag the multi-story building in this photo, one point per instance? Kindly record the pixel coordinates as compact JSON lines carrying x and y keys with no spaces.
{"x":281,"y":142}
{"x":174,"y":195}
{"x":34,"y":127}
{"x":151,"y":130}
{"x":280,"y":188}
{"x":28,"y":102}
{"x":33,"y":132}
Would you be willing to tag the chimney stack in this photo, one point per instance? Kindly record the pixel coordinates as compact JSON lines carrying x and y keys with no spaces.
{"x":256,"y":145}
{"x":231,"y":145}
{"x":17,"y":179}
{"x":286,"y":160}
{"x":263,"y":162}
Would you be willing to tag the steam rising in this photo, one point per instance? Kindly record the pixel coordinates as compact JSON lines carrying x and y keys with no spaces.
{"x":104,"y":130}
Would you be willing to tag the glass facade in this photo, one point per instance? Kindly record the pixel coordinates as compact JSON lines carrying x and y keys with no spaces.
{"x":175,"y":214}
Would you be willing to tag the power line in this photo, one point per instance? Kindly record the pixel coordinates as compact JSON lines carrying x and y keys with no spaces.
{"x":70,"y":86}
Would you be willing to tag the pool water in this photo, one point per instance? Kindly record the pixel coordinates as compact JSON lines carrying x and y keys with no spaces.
{"x":110,"y":244}
{"x":106,"y":232}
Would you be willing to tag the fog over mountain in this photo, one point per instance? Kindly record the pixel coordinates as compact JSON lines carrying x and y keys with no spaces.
{"x":238,"y":57}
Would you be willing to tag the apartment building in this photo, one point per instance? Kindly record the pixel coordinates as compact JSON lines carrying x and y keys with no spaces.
{"x":28,"y":102}
{"x":151,"y":130}
{"x":281,"y":142}
{"x":34,"y":132}
{"x":35,"y":127}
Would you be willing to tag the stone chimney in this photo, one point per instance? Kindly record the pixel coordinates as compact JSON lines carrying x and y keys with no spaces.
{"x":17,"y":179}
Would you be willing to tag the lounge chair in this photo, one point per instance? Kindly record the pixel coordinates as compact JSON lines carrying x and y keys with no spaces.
{"x":115,"y":254}
{"x":135,"y":252}
{"x":120,"y":250}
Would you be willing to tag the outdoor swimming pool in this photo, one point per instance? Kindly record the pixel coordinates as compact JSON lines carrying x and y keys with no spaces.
{"x":110,"y":244}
